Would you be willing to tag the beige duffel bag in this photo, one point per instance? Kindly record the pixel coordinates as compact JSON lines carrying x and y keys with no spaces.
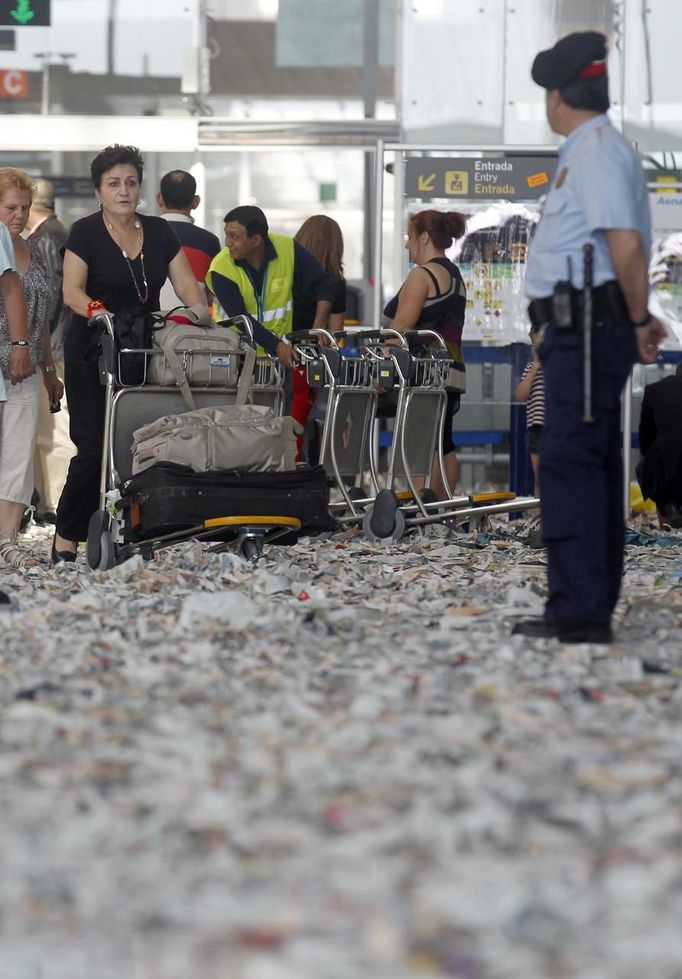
{"x":192,"y":355}
{"x":248,"y":438}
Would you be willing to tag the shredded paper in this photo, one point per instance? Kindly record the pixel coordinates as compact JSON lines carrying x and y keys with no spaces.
{"x":337,"y":763}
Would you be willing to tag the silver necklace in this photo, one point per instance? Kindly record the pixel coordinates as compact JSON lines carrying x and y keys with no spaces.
{"x":142,"y":298}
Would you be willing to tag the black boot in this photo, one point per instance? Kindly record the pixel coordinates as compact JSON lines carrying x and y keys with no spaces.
{"x":565,"y":630}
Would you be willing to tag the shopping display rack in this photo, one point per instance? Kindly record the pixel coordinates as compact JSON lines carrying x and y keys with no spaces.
{"x":353,"y":368}
{"x":128,"y":407}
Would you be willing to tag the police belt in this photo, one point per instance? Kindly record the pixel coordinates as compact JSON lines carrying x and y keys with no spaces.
{"x":607,"y":298}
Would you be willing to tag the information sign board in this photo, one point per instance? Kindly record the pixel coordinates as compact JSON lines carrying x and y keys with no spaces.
{"x":481,"y":179}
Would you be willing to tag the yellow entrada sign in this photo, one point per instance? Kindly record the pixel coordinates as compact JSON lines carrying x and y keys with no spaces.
{"x":457,"y":182}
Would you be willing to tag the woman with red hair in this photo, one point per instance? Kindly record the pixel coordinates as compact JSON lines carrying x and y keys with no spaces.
{"x":433,"y":297}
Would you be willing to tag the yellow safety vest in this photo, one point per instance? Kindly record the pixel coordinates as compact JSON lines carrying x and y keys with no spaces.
{"x":274,"y":306}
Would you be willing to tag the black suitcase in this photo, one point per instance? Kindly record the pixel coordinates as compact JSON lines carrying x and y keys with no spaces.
{"x":167,"y":498}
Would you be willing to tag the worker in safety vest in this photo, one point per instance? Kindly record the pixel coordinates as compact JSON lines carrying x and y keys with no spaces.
{"x":256,"y":273}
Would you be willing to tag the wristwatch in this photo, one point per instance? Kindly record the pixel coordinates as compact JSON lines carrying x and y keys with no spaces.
{"x":49,"y":369}
{"x":643,"y":321}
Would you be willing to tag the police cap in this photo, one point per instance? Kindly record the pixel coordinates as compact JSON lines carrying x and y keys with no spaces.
{"x":576,"y":57}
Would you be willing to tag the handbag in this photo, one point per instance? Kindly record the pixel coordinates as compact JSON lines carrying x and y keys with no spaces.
{"x":199,"y":356}
{"x":133,"y":330}
{"x":245,"y":438}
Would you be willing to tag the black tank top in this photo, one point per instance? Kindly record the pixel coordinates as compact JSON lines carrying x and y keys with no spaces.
{"x":443,"y":312}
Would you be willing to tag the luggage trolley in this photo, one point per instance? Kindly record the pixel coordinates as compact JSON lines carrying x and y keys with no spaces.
{"x":353,"y":375}
{"x":127,"y":408}
{"x":348,"y":376}
{"x":421,"y":373}
{"x":417,"y":363}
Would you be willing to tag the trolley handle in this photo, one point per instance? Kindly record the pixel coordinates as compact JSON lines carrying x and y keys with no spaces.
{"x":106,"y":320}
{"x":242,"y":323}
{"x":312,"y":336}
{"x":422,"y":335}
{"x":369,"y":336}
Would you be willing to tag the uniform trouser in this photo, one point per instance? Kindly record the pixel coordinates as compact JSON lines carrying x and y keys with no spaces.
{"x":581,"y":470}
{"x":53,"y":451}
{"x":86,"y":398}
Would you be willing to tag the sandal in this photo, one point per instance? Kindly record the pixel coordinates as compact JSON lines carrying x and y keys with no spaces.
{"x":12,"y":555}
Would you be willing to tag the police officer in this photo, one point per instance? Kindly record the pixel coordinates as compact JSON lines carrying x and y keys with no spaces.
{"x":598,"y":198}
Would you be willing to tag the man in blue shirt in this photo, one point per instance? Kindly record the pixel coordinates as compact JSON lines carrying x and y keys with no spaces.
{"x":599,"y":198}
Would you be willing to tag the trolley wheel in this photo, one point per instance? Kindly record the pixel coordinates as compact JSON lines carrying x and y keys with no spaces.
{"x":252,"y":548}
{"x":101,"y":550}
{"x":384,"y":521}
{"x":254,"y":531}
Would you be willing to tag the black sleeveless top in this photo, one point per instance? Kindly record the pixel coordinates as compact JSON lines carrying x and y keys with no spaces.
{"x":444,"y":312}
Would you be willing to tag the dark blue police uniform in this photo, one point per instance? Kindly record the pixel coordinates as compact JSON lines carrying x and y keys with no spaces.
{"x":599,"y":186}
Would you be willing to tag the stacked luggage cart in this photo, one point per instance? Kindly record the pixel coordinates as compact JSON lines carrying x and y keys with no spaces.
{"x":412,"y":368}
{"x":167,"y":503}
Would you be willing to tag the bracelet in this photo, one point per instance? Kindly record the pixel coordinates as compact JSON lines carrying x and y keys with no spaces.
{"x":642,"y":322}
{"x":94,"y":306}
{"x":49,"y":369}
{"x":18,"y":343}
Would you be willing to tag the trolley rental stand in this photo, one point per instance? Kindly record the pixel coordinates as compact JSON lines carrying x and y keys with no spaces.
{"x":111,"y":534}
{"x":417,"y":364}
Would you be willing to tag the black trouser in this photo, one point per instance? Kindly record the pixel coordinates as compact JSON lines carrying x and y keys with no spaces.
{"x":86,"y":399}
{"x":660,"y":471}
{"x":581,"y":469}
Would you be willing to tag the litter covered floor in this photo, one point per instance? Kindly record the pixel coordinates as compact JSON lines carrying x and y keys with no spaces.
{"x":338,"y":764}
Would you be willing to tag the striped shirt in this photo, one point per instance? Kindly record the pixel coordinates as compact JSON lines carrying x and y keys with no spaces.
{"x":535,"y":406}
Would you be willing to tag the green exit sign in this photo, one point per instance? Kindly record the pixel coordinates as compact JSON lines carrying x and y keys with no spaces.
{"x":25,"y":13}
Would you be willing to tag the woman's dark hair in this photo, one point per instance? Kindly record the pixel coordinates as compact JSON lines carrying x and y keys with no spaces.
{"x":112,"y":156}
{"x":321,"y":236}
{"x":441,"y":226}
{"x":251,"y":217}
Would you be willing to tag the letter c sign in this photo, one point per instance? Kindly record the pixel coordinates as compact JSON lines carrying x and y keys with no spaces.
{"x":13,"y":84}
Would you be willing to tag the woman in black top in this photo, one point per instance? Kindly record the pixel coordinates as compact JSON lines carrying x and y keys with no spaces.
{"x":114,"y":259}
{"x":321,"y":236}
{"x":433,"y":297}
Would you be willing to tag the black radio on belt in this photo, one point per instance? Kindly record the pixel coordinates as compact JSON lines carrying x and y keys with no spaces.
{"x":562,"y":304}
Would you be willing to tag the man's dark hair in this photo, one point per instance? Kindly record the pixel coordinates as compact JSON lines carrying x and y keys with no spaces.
{"x":251,"y":217}
{"x":178,"y":189}
{"x":591,"y":94}
{"x":112,"y":156}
